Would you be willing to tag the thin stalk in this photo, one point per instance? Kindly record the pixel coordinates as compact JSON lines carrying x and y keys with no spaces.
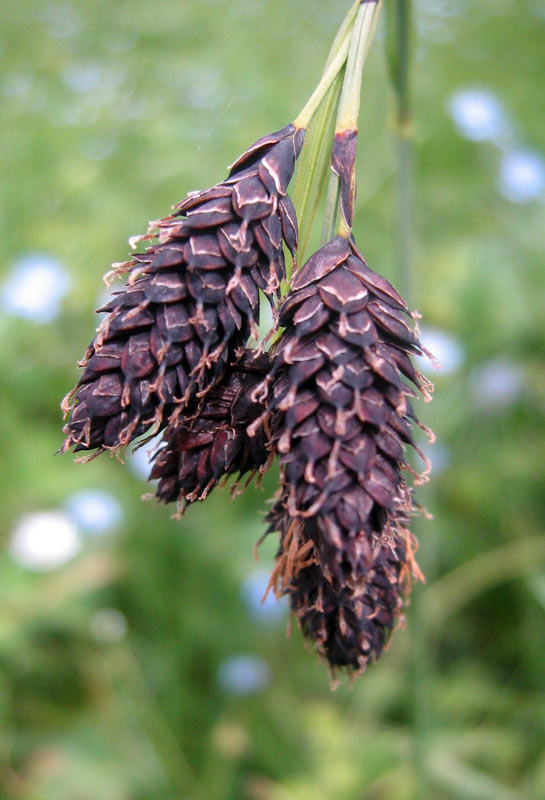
{"x":421,"y":680}
{"x":398,"y":29}
{"x":344,"y":32}
{"x":303,"y":118}
{"x":403,"y":137}
{"x":404,"y":238}
{"x":334,"y":64}
{"x":402,"y":23}
{"x":362,"y":35}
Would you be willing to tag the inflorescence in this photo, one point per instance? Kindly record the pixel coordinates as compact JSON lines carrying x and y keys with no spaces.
{"x":330,"y":400}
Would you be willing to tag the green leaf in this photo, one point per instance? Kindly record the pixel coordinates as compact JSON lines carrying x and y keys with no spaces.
{"x":314,"y":163}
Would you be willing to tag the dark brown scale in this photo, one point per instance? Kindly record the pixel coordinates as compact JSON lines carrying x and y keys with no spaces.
{"x":196,"y":453}
{"x":191,"y":303}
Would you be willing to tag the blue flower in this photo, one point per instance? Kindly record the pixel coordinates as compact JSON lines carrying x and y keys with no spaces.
{"x":94,"y":511}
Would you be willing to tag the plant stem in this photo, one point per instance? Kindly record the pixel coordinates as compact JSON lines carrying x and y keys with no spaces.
{"x":421,"y":680}
{"x":367,"y":11}
{"x":334,"y":64}
{"x":404,"y":214}
{"x":362,"y":35}
{"x":403,"y":135}
{"x":423,"y":670}
{"x":343,"y":33}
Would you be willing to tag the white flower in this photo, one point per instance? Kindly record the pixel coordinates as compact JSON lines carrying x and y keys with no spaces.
{"x":243,"y":674}
{"x":253,"y":590}
{"x":34,"y":288}
{"x":94,"y":511}
{"x":139,"y":461}
{"x":496,"y":384}
{"x":44,"y":541}
{"x":522,"y":176}
{"x":446,"y":349}
{"x":478,"y":115}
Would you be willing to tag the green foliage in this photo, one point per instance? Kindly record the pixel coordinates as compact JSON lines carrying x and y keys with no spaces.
{"x":456,"y":707}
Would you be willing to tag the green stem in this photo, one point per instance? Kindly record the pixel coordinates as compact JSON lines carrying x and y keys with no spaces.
{"x":403,"y":17}
{"x":423,"y":667}
{"x":404,"y":214}
{"x":344,"y":32}
{"x":403,"y":147}
{"x":335,"y":63}
{"x":422,"y":674}
{"x":362,"y":36}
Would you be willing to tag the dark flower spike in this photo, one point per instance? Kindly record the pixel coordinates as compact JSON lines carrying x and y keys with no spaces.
{"x":197,"y":452}
{"x":349,"y":624}
{"x":340,"y":406}
{"x":191,"y":302}
{"x":341,"y":415}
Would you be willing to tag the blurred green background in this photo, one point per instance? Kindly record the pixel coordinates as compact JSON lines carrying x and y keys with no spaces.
{"x":136,"y":662}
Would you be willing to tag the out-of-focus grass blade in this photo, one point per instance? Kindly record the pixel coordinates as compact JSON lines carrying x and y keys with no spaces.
{"x":466,"y":782}
{"x":398,"y":48}
{"x":536,"y":584}
{"x":462,"y":584}
{"x":50,"y":592}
